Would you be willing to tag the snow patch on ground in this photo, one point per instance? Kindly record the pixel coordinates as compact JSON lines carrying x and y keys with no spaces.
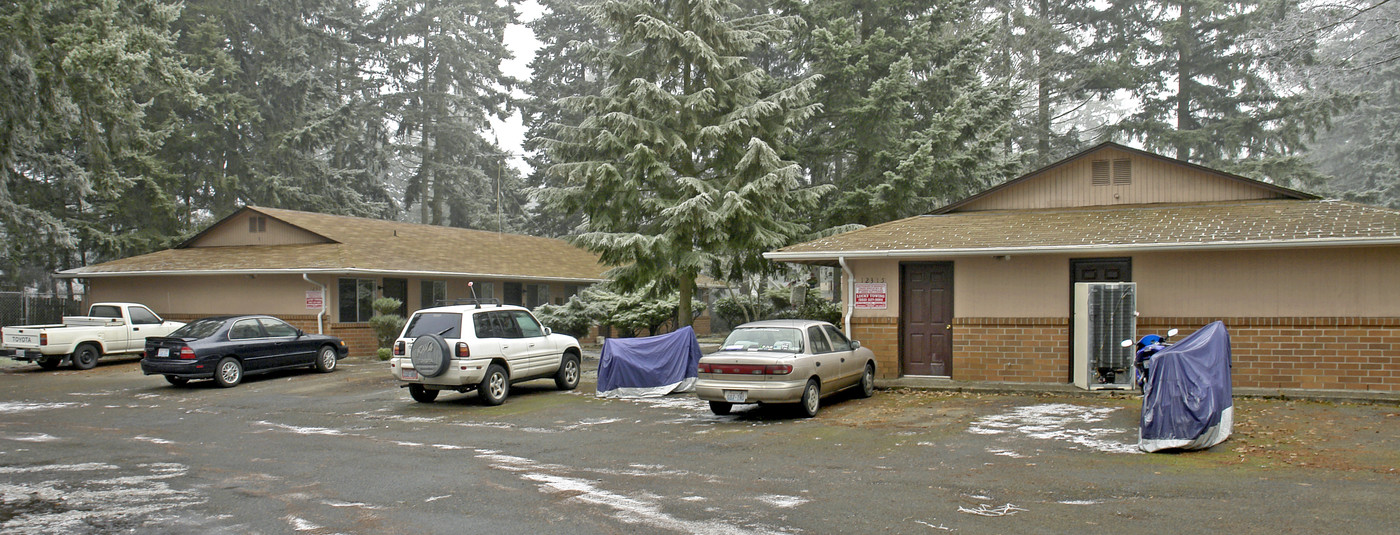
{"x":301,"y":524}
{"x":1080,"y":502}
{"x":32,"y":437}
{"x":785,"y":502}
{"x":1061,"y":422}
{"x":7,"y":407}
{"x":304,"y":430}
{"x":56,"y":505}
{"x":152,"y":440}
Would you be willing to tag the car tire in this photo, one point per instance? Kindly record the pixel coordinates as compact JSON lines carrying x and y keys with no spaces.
{"x":495,"y":386}
{"x":811,"y":399}
{"x":721,"y":407}
{"x":326,"y":359}
{"x":569,"y":371}
{"x":85,"y":357}
{"x":867,"y":381}
{"x":228,"y":372}
{"x":421,"y":394}
{"x":430,"y":355}
{"x":177,"y":381}
{"x":49,"y":363}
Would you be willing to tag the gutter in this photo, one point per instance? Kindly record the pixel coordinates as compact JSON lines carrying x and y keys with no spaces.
{"x":850,"y":292}
{"x":1105,"y":248}
{"x":320,"y":329}
{"x":77,"y":274}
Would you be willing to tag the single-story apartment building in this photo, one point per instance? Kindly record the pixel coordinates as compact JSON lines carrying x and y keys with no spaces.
{"x":981,"y":289}
{"x":322,"y":272}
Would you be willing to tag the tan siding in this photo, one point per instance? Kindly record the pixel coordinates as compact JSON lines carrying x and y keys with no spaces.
{"x":1153,"y":181}
{"x":235,"y":232}
{"x":210,"y":295}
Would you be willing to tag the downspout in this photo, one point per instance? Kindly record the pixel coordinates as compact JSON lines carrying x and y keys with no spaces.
{"x":319,"y":328}
{"x":850,"y":289}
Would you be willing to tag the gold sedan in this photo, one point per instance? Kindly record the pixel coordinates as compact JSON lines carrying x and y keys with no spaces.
{"x":784,"y":361}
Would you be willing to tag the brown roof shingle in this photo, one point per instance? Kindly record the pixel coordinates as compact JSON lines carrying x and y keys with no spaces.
{"x":1225,"y":224}
{"x":372,"y":245}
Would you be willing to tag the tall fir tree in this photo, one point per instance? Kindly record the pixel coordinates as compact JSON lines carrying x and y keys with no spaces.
{"x":681,"y":163}
{"x":909,"y":119}
{"x":1208,"y":95}
{"x":443,"y":59}
{"x":81,"y":180}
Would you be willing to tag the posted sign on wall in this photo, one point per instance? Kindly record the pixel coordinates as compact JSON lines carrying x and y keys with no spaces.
{"x":314,"y":300}
{"x":870,"y":295}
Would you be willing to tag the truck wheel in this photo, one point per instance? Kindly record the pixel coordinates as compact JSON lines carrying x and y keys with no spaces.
{"x":422,"y":395}
{"x":50,"y":363}
{"x":567,"y":376}
{"x":85,"y":357}
{"x":228,"y":373}
{"x":495,"y":386}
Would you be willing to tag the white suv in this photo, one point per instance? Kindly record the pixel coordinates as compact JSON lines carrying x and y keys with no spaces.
{"x":481,"y":346}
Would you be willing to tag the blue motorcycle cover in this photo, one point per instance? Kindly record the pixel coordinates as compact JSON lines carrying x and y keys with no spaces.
{"x":1186,"y":402}
{"x":649,"y":367}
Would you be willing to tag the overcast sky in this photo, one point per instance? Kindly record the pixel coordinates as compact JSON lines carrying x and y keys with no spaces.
{"x":523,"y":44}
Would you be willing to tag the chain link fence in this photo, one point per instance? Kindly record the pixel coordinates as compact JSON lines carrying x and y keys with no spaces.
{"x":18,"y":308}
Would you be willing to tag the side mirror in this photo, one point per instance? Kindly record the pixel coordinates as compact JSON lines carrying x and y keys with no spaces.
{"x":855,"y":344}
{"x":300,"y":333}
{"x":1127,"y":343}
{"x":547,"y":331}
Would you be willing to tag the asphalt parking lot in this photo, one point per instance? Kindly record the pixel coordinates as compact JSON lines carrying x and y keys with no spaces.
{"x":109,"y":450}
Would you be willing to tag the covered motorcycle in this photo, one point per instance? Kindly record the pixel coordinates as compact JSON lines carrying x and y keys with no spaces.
{"x":649,"y":367}
{"x":1186,"y":402}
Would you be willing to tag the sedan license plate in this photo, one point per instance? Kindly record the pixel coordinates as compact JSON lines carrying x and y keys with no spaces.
{"x":163,"y":352}
{"x":410,"y":375}
{"x":736,"y":396}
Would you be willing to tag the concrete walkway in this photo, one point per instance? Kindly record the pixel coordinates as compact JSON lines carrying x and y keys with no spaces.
{"x":1065,"y":389}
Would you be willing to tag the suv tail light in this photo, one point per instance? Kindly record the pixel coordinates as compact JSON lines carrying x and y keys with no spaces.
{"x":398,"y":348}
{"x":463,"y":350}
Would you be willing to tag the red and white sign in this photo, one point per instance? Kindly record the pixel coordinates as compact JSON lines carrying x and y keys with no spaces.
{"x":870,"y":295}
{"x":314,"y":300}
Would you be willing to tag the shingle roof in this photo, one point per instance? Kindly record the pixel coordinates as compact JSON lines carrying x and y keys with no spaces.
{"x":1280,"y":223}
{"x":372,"y":245}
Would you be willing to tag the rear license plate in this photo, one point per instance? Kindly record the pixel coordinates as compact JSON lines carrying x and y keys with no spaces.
{"x":19,"y":353}
{"x":410,"y":375}
{"x":736,"y":396}
{"x":163,"y":352}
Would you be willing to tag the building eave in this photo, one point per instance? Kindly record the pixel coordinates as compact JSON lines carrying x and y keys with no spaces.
{"x":832,"y":256}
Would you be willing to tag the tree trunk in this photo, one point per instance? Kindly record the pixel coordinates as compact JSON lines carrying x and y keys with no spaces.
{"x":687,"y":289}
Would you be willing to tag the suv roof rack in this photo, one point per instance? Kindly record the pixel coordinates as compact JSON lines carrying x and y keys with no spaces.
{"x":468,"y":301}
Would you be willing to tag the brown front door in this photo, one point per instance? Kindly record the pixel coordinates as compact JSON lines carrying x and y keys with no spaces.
{"x":926,"y":309}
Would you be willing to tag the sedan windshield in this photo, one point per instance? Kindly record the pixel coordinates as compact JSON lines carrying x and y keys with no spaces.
{"x":198,"y":329}
{"x":764,"y":339}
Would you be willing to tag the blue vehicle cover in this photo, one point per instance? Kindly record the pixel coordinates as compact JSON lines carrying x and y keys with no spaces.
{"x":649,"y":367}
{"x":1186,"y":402}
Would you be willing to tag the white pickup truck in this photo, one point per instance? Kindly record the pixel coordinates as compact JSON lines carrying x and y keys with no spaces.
{"x":108,"y":329}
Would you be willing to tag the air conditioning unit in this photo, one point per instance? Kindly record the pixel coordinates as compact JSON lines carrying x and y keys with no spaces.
{"x":1105,"y":314}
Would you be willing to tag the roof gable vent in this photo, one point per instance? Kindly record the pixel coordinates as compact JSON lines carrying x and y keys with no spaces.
{"x":1122,"y":172}
{"x":1100,"y":172}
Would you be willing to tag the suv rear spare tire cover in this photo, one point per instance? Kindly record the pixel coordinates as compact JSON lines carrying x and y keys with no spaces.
{"x":430,"y":355}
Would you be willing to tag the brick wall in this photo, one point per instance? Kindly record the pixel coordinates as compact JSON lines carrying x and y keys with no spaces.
{"x":1022,"y":350}
{"x":881,"y":335}
{"x":1328,"y":353}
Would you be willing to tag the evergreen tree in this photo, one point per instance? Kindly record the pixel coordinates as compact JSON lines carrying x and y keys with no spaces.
{"x":909,"y":120}
{"x":443,"y":60}
{"x":81,"y":181}
{"x":681,"y":159}
{"x":1208,"y":95}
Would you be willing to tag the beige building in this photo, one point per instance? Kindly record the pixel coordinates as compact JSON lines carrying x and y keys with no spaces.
{"x":982,"y":289}
{"x":321,"y":272}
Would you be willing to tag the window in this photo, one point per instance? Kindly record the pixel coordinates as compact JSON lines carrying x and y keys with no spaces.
{"x":536,"y":295}
{"x":105,"y":311}
{"x":529,"y":327}
{"x":257,"y":223}
{"x":396,"y":289}
{"x":514,"y":294}
{"x":141,"y":316}
{"x":819,"y":343}
{"x":244,"y":330}
{"x":446,"y":325}
{"x":432,"y":292}
{"x":496,"y":325}
{"x":356,"y":300}
{"x":839,"y":342}
{"x":277,"y":328}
